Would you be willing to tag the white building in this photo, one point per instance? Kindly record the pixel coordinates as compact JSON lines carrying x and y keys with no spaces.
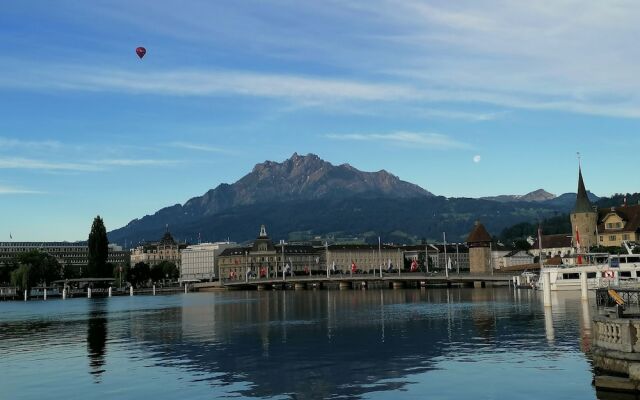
{"x":504,"y":259}
{"x":555,"y":245}
{"x":67,"y":253}
{"x":200,"y":261}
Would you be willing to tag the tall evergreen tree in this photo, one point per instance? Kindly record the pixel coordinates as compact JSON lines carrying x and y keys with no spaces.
{"x":98,"y":250}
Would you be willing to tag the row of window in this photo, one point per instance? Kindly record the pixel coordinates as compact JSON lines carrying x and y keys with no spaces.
{"x":613,"y":238}
{"x":614,"y":225}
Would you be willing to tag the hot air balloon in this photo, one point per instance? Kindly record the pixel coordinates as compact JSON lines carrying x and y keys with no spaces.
{"x":141,"y":51}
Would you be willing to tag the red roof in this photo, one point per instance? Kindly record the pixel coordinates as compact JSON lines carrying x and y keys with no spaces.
{"x":479,"y":234}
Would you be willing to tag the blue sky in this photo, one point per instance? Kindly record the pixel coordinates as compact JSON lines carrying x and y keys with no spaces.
{"x":465,"y":98}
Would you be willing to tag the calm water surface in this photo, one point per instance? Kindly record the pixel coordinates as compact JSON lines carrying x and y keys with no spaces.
{"x":376,"y":344}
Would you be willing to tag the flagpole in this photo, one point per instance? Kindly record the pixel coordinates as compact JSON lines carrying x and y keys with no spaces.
{"x":540,"y":247}
{"x":491,"y":257}
{"x":380,"y":255}
{"x":426,"y":256}
{"x":446,"y":265}
{"x":457,"y":260}
{"x":326,"y":252}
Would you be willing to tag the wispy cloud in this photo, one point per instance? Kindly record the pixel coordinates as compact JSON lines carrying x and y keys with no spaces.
{"x":6,"y":190}
{"x":200,"y":147}
{"x":522,"y":55}
{"x":6,"y":143}
{"x":461,"y":115}
{"x":124,"y":162}
{"x":425,"y":140}
{"x":33,"y":164}
{"x":82,"y":166}
{"x":206,"y":83}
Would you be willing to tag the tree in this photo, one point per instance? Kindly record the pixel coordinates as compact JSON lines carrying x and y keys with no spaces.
{"x":98,"y":250}
{"x":156,"y":272}
{"x":121,"y":273}
{"x":164,"y":270}
{"x":171,"y":271}
{"x":139,"y":274}
{"x":521,"y":244}
{"x":45,"y":268}
{"x":35,"y":268}
{"x":21,"y":277}
{"x":70,"y":271}
{"x":6,"y":270}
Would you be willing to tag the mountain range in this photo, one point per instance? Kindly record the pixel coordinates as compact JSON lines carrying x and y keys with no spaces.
{"x":305,"y":196}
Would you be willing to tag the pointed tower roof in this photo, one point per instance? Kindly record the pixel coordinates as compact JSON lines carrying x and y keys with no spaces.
{"x":583,"y":205}
{"x":479,"y":234}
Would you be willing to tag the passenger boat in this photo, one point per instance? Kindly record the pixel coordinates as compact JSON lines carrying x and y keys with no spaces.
{"x":602,"y":270}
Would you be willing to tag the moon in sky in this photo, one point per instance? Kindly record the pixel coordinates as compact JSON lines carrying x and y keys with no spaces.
{"x":477,"y":158}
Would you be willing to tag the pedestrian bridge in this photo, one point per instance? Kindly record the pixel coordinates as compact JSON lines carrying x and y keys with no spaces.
{"x":346,"y":281}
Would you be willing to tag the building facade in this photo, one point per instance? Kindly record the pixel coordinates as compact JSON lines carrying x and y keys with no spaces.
{"x":456,"y":256}
{"x":617,"y":225}
{"x":366,"y":258}
{"x":555,"y":246}
{"x":200,"y":262}
{"x":67,"y":253}
{"x":167,"y":249}
{"x":265,"y":259}
{"x":505,"y":259}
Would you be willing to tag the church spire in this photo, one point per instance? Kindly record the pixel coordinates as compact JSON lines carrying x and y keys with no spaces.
{"x":583,"y":204}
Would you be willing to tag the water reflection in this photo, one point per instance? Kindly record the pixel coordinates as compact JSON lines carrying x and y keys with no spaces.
{"x":548,"y":324}
{"x":320,"y":344}
{"x":97,"y":338}
{"x":445,"y":343}
{"x":585,"y":331}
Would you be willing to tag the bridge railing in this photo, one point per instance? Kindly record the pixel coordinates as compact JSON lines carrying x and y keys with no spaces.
{"x":441,"y":275}
{"x":618,"y":334}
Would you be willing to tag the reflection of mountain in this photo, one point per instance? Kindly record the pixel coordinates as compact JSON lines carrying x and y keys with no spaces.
{"x":317,"y":344}
{"x":97,"y":337}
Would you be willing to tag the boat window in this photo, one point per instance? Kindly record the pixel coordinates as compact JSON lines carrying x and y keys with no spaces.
{"x":571,"y":276}
{"x":591,"y":274}
{"x":625,"y":274}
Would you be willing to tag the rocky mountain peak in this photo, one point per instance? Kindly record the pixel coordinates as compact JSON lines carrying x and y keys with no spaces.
{"x":538,"y":195}
{"x":302,"y":177}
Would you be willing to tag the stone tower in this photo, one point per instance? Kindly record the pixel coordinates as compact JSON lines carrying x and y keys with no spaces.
{"x":479,"y":242}
{"x":584,"y":219}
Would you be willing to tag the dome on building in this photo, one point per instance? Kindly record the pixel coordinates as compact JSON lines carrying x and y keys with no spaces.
{"x":167,"y":240}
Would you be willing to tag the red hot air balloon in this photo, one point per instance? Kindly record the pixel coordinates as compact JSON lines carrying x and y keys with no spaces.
{"x":141,"y":51}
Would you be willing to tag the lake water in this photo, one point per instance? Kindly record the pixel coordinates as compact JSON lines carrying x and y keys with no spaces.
{"x":454,"y":343}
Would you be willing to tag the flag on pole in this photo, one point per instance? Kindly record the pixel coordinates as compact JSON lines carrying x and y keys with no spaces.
{"x":578,"y":246}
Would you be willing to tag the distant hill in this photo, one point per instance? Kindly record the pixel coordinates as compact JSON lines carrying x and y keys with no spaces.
{"x":308,"y":194}
{"x":536,"y":195}
{"x":541,"y":195}
{"x":568,"y":200}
